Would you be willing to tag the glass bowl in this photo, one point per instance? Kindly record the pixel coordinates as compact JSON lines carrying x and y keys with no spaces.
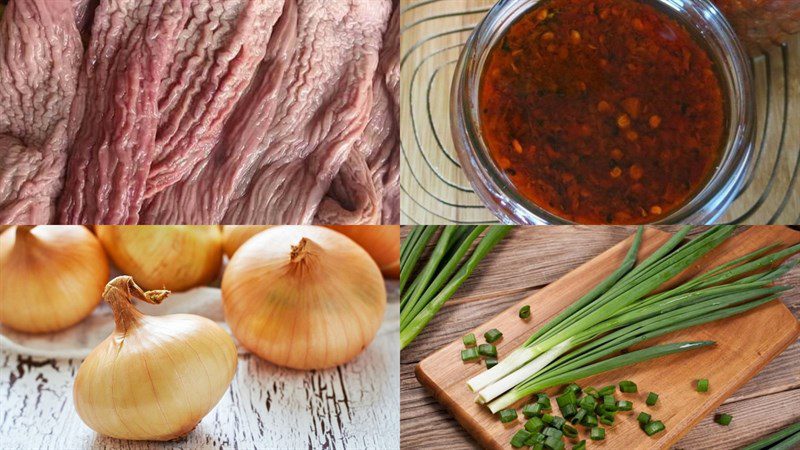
{"x":713,"y":32}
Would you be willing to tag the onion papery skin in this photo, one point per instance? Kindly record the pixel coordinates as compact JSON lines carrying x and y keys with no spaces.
{"x":303,"y":297}
{"x":174,"y":257}
{"x":51,"y":277}
{"x":233,"y":236}
{"x":154,"y":378}
{"x":382,"y":242}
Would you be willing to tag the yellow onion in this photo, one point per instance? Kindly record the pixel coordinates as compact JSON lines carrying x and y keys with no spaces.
{"x":233,"y":236}
{"x":304,"y":297}
{"x":174,"y":257}
{"x":382,"y":242}
{"x":154,"y":377}
{"x":52,"y":277}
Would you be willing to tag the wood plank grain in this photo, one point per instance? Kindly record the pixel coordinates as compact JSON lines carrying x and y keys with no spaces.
{"x":423,"y":422}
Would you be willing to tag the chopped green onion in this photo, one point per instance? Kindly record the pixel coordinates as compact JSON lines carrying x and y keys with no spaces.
{"x":554,"y":432}
{"x":491,"y":362}
{"x":554,"y":443}
{"x":580,"y":445}
{"x":588,"y":403}
{"x":723,"y":419}
{"x":469,"y":354}
{"x":624,"y":405}
{"x":525,"y":312}
{"x":591,"y":391}
{"x":569,"y":411}
{"x":534,"y":425}
{"x":608,"y":390}
{"x":493,"y":335}
{"x":643,"y":418}
{"x":578,"y":417}
{"x":558,"y":422}
{"x":702,"y":385}
{"x":508,"y":415}
{"x":544,"y":400}
{"x":535,"y":438}
{"x":529,"y":410}
{"x":609,"y":403}
{"x":537,"y":409}
{"x":569,"y":431}
{"x":469,"y":340}
{"x":548,"y":418}
{"x":652,"y":398}
{"x":628,"y":387}
{"x":487,"y":350}
{"x":574,"y":388}
{"x":589,"y":421}
{"x":654,"y":427}
{"x":607,"y":419}
{"x":567,"y":398}
{"x":519,"y":438}
{"x":597,"y":434}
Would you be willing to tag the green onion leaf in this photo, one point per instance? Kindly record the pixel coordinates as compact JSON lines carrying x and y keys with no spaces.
{"x":702,"y":385}
{"x":469,"y":354}
{"x":525,"y":312}
{"x":652,"y":398}
{"x":628,"y":387}
{"x":469,"y":340}
{"x":597,"y":434}
{"x":723,"y":419}
{"x":508,"y":415}
{"x":487,"y":350}
{"x":654,"y":427}
{"x":493,"y":335}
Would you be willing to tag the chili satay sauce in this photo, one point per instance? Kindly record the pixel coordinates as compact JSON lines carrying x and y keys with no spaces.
{"x":602,"y":111}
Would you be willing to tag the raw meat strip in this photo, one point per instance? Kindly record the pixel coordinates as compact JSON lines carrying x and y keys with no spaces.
{"x":40,"y":55}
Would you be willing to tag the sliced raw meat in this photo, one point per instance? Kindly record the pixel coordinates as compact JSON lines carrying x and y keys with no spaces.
{"x":40,"y":54}
{"x":219,"y":51}
{"x":176,"y":69}
{"x":351,"y":200}
{"x":309,"y":104}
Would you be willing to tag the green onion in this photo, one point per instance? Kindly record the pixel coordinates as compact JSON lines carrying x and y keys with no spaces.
{"x":525,"y":312}
{"x":578,"y":417}
{"x":519,"y":438}
{"x":622,"y":311}
{"x":628,"y":387}
{"x":607,"y":419}
{"x":597,"y":434}
{"x":569,"y":431}
{"x":574,"y":388}
{"x":544,"y":400}
{"x":723,"y":419}
{"x":548,"y":418}
{"x":446,"y":270}
{"x":654,"y":427}
{"x":624,"y":405}
{"x":535,"y":439}
{"x":609,"y":403}
{"x":553,"y":432}
{"x":487,"y":350}
{"x":534,"y":425}
{"x":508,"y":415}
{"x":558,"y":422}
{"x":567,"y":398}
{"x":531,"y":410}
{"x":589,"y":421}
{"x":493,"y":335}
{"x":469,"y":340}
{"x":569,"y":411}
{"x":591,"y":391}
{"x":554,"y":443}
{"x":580,"y":445}
{"x":491,"y":362}
{"x":652,"y":398}
{"x":588,"y":403}
{"x":782,"y":440}
{"x":469,"y":354}
{"x":537,"y":408}
{"x":608,"y":390}
{"x":702,"y":385}
{"x":643,"y":418}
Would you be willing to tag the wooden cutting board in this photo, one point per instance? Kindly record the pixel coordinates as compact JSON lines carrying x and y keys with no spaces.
{"x":745,"y":344}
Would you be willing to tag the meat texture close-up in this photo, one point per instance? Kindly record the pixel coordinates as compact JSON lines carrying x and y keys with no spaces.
{"x":199,"y":111}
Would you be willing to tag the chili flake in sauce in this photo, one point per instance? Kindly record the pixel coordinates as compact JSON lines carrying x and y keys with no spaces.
{"x":603,"y":111}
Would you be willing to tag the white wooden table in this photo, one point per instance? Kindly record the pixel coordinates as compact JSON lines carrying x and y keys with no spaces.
{"x":355,"y":406}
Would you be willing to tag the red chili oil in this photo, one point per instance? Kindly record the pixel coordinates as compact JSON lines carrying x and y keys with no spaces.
{"x":602,"y":111}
